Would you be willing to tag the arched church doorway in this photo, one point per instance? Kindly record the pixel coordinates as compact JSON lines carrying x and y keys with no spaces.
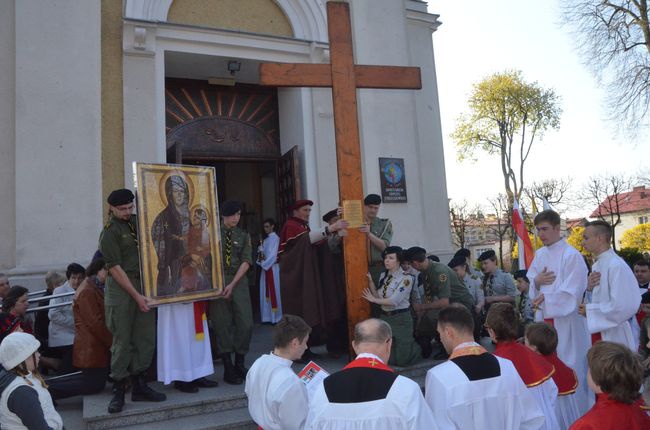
{"x":234,"y":129}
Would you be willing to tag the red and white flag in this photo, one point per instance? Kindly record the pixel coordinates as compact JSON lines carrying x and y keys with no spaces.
{"x":526,"y":251}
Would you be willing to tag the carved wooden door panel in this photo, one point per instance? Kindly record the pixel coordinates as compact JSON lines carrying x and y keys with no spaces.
{"x":288,"y":180}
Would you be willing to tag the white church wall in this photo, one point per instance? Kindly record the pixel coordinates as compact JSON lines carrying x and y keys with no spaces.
{"x":435,"y":203}
{"x":7,"y":136}
{"x":395,"y":123}
{"x":324,"y":140}
{"x":57,"y":132}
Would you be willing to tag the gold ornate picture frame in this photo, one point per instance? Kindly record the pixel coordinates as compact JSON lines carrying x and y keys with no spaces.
{"x":178,"y":232}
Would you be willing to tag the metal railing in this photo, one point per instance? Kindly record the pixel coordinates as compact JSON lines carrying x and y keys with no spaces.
{"x":52,"y":306}
{"x":55,"y":296}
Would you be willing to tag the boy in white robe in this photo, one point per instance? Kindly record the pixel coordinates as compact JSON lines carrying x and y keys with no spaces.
{"x":614,"y":290}
{"x":475,"y":389}
{"x":277,"y":398}
{"x":558,"y":281}
{"x":367,"y":394}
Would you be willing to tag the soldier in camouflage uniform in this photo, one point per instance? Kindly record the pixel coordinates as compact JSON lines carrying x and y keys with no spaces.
{"x":128,"y":316}
{"x":380,"y":233}
{"x":232,"y":315}
{"x":441,"y":287}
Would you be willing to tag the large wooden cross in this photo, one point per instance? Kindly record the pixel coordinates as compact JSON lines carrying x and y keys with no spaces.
{"x":344,"y":77}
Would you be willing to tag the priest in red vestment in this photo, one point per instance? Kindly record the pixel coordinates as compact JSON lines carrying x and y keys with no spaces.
{"x":300,"y":277}
{"x":615,"y":375}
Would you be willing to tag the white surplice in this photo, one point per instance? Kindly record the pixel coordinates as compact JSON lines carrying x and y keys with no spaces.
{"x":181,"y":357}
{"x":566,"y":409}
{"x":503,"y":402}
{"x":403,"y":408}
{"x":561,"y":300}
{"x":545,"y":394}
{"x":277,"y":398}
{"x":614,"y":300}
{"x":270,"y":251}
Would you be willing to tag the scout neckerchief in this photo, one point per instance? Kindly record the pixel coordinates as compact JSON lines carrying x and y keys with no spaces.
{"x":523,"y":301}
{"x":487,"y":284}
{"x":133,"y":232}
{"x":467,"y":348}
{"x":228,"y":246}
{"x":385,"y":283}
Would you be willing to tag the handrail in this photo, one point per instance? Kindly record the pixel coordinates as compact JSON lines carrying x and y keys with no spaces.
{"x":54,"y":296}
{"x":42,"y":308}
{"x":33,"y":293}
{"x":62,"y":376}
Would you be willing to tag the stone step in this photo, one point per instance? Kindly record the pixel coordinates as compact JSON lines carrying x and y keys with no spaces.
{"x":237,"y":419}
{"x":177,"y":406}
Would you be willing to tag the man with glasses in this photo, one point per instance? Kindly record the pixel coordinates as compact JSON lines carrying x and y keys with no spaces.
{"x":128,"y":316}
{"x":558,"y":282}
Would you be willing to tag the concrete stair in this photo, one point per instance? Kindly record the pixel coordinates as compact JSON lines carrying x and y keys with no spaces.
{"x":223,"y":407}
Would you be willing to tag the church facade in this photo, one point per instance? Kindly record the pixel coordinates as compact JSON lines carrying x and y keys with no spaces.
{"x":88,"y":88}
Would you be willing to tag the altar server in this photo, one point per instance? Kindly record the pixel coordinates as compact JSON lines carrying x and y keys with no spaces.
{"x":277,"y":398}
{"x":367,"y":393}
{"x":475,"y":389}
{"x":558,"y":281}
{"x":542,"y":338}
{"x":502,"y":325}
{"x":615,"y":375}
{"x":615,"y":297}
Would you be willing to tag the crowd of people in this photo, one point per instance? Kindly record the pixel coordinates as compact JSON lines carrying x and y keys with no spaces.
{"x":553,"y":347}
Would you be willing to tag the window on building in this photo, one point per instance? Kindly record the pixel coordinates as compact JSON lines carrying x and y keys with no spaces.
{"x":643,"y":220}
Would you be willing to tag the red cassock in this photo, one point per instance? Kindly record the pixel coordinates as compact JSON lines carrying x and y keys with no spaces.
{"x":608,"y":414}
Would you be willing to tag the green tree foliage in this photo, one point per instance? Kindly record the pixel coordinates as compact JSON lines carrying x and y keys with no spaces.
{"x":637,"y":237}
{"x":506,"y":116}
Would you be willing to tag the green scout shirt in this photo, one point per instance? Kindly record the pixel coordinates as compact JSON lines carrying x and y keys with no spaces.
{"x":241,"y":249}
{"x":118,"y":243}
{"x":383,"y":229}
{"x":442,"y":282}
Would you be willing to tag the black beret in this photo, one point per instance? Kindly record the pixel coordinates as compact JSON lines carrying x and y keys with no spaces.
{"x":521,"y":274}
{"x":462,"y":252}
{"x":230,"y":207}
{"x":409,"y":253}
{"x":120,"y":197}
{"x":329,"y":215}
{"x":433,"y":258}
{"x":489,"y":254}
{"x":393,"y":250}
{"x":458,"y":260}
{"x":372,"y":199}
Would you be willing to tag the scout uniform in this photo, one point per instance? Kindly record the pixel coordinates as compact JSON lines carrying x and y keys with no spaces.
{"x":134,"y":331}
{"x":397,"y":287}
{"x":232,"y":319}
{"x":440,"y":282}
{"x":383,"y":229}
{"x":499,"y":284}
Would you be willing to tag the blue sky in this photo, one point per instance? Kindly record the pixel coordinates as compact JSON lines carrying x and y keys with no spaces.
{"x":478,"y":38}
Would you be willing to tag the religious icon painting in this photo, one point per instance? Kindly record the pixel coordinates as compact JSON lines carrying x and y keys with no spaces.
{"x":178,"y":232}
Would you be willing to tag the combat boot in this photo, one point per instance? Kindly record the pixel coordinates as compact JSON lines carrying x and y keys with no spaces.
{"x":239,"y":365}
{"x":141,"y":392}
{"x":117,"y":402}
{"x":230,"y":375}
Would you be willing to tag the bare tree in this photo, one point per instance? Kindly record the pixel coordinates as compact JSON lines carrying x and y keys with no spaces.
{"x":461,"y":216}
{"x":553,"y":190}
{"x":604,"y":193}
{"x":614,"y":39}
{"x":502,"y":225}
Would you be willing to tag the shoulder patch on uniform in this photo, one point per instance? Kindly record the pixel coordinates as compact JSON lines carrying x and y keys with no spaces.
{"x":442,"y":277}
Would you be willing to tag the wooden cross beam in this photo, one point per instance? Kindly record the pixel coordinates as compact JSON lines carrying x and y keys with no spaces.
{"x":344,"y":77}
